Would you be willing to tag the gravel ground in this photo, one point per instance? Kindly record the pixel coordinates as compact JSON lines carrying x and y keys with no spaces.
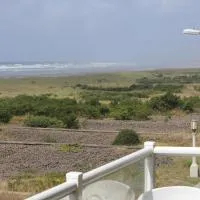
{"x":15,"y":159}
{"x":55,"y":136}
{"x":158,"y":125}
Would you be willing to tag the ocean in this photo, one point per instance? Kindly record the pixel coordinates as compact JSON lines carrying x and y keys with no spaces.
{"x":30,"y":69}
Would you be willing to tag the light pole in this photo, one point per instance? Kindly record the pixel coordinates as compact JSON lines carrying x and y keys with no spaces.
{"x":194,"y":169}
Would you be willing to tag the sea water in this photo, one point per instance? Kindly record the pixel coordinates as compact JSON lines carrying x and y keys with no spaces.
{"x":25,"y":69}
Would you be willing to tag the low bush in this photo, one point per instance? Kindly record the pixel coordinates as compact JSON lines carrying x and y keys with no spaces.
{"x":165,"y":102}
{"x":127,"y":137}
{"x":104,"y":110}
{"x":92,"y":112}
{"x":130,"y":110}
{"x":70,"y":121}
{"x":5,"y":115}
{"x":194,"y":101}
{"x":169,"y":101}
{"x":43,"y":122}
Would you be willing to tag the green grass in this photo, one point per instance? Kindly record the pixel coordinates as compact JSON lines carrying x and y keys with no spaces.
{"x":36,"y":86}
{"x":31,"y":182}
{"x":72,"y":148}
{"x":175,"y":174}
{"x":62,"y":87}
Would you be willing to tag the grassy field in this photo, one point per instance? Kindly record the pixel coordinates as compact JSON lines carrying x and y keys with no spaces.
{"x":64,"y":86}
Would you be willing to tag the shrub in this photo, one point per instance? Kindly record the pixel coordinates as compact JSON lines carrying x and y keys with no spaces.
{"x":104,"y":110}
{"x":187,"y":106}
{"x":92,"y":112}
{"x":70,"y":121}
{"x":194,"y":101}
{"x":121,"y":114}
{"x":93,"y":102}
{"x":165,"y":102}
{"x":21,"y":104}
{"x":188,"y":163}
{"x":126,"y":137}
{"x":43,"y":121}
{"x":5,"y":115}
{"x":130,"y":110}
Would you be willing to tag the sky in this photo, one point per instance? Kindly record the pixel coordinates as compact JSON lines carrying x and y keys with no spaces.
{"x":142,"y":32}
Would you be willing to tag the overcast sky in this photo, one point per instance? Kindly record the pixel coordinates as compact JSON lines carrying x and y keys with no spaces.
{"x":144,"y":32}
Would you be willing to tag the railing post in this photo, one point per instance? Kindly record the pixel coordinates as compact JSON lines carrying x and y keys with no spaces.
{"x":149,"y":168}
{"x":76,"y":177}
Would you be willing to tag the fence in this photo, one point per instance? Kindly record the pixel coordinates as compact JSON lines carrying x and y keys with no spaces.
{"x":73,"y":188}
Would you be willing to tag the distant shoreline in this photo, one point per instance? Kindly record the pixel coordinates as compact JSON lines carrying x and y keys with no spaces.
{"x":67,"y":72}
{"x":61,"y":72}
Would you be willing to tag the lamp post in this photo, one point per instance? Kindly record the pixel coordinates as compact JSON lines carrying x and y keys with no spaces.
{"x":194,"y":169}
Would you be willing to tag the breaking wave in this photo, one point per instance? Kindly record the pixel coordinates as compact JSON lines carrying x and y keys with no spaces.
{"x":32,"y":69}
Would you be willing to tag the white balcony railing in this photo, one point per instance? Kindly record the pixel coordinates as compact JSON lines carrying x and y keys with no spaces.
{"x":76,"y":182}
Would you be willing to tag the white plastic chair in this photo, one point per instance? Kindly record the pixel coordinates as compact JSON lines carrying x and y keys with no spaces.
{"x":108,"y":190}
{"x":172,"y":193}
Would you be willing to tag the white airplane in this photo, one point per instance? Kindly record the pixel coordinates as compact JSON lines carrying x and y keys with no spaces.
{"x":191,"y":31}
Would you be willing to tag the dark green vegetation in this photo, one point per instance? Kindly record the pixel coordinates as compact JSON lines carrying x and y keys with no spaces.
{"x":42,"y":121}
{"x":44,"y":111}
{"x":127,"y":137}
{"x":143,"y":85}
{"x":169,"y":101}
{"x":123,"y":96}
{"x":5,"y":115}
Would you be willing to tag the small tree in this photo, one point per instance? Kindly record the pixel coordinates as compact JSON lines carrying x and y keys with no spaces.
{"x":126,"y":137}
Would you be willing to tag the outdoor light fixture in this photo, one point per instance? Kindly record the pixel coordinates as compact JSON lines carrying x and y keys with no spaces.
{"x":194,"y":169}
{"x":194,"y":125}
